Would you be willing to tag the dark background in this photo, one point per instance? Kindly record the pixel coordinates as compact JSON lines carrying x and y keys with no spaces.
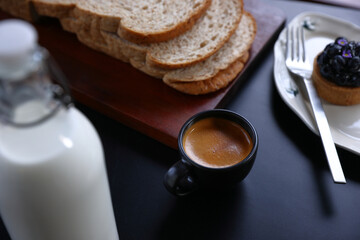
{"x":289,"y":194}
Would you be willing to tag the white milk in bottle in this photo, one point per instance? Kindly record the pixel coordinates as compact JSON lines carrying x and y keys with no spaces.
{"x":53,"y":181}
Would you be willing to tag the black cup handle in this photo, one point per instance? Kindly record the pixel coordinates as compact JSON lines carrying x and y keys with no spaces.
{"x":179,"y":181}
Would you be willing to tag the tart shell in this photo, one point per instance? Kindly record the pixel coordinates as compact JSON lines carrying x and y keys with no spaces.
{"x":333,"y":93}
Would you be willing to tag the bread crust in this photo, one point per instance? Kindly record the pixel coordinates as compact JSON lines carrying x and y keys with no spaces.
{"x":154,"y":61}
{"x":236,"y":47}
{"x":58,"y":10}
{"x":333,"y":93}
{"x":19,"y":8}
{"x":222,"y":79}
{"x":87,"y":23}
{"x":209,"y":80}
{"x":213,"y":73}
{"x":89,"y":29}
{"x":73,"y":8}
{"x":161,"y":36}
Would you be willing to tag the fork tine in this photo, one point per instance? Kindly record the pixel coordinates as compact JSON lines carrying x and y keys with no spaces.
{"x":297,"y":43}
{"x":292,"y":40}
{"x":300,"y":44}
{"x":302,"y":40}
{"x":289,"y":47}
{"x":287,"y":44}
{"x":293,"y":44}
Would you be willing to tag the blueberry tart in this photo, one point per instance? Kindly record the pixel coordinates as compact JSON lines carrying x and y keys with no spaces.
{"x":336,"y":73}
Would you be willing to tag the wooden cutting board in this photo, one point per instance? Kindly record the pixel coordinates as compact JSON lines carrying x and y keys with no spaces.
{"x":139,"y":101}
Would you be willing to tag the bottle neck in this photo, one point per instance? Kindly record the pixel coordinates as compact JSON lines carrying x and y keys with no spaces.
{"x":28,"y":94}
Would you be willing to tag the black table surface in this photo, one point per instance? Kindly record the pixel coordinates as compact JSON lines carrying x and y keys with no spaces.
{"x":289,"y":194}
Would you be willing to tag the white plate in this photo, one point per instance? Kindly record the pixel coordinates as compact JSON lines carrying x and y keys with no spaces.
{"x":322,"y":29}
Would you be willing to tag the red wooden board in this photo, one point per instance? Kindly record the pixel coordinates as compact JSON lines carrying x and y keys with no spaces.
{"x":139,"y":101}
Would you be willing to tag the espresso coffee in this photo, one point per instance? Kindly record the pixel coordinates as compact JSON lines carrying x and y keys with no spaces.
{"x":217,"y":142}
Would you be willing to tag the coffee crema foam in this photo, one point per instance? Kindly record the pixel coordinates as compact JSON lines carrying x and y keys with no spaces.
{"x":217,"y":142}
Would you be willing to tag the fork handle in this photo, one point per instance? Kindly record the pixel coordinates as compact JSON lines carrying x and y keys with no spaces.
{"x":325,"y":134}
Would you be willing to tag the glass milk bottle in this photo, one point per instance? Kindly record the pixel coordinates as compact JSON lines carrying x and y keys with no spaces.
{"x":53,"y":182}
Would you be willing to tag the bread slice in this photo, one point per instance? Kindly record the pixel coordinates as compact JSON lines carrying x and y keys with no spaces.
{"x":239,"y":43}
{"x":211,"y":74}
{"x":18,"y":8}
{"x":237,"y":46}
{"x":333,"y":93}
{"x":143,"y":21}
{"x":212,"y":84}
{"x":90,"y":20}
{"x":203,"y":76}
{"x":207,"y":36}
{"x":53,"y":8}
{"x":214,"y":73}
{"x":159,"y":20}
{"x":221,"y":68}
{"x":202,"y":40}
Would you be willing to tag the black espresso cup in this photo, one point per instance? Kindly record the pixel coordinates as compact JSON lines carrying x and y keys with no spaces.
{"x":217,"y":149}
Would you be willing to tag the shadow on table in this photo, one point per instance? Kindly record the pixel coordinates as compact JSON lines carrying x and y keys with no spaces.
{"x":204,"y":215}
{"x":308,"y":143}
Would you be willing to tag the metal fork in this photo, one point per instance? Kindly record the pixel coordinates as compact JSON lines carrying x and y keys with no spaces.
{"x":297,"y":63}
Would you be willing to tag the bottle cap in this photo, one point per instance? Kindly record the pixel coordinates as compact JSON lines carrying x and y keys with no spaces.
{"x":18,"y":40}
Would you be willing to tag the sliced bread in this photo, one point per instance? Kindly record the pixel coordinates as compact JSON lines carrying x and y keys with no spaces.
{"x":239,"y":43}
{"x":211,"y":74}
{"x":214,"y":73}
{"x":53,"y":8}
{"x":212,"y":84}
{"x":207,"y":36}
{"x":141,"y":21}
{"x":18,"y":8}
{"x":93,"y":21}
{"x":148,"y":21}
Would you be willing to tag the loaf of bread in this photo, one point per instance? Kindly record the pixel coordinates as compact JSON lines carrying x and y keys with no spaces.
{"x":195,"y":46}
{"x":217,"y":71}
{"x":207,"y":36}
{"x":138,"y":21}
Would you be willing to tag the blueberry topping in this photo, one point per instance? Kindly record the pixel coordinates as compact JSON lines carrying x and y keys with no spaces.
{"x":325,"y":71}
{"x":354,"y":64}
{"x":334,"y":50}
{"x":340,"y":62}
{"x":322,"y":59}
{"x":357,"y":49}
